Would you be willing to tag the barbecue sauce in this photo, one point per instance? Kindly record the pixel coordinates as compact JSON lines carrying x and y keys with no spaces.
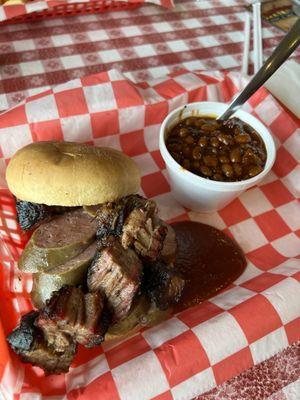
{"x":207,"y":259}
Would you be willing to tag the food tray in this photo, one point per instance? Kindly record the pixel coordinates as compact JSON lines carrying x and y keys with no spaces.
{"x":253,"y":319}
{"x":54,"y":9}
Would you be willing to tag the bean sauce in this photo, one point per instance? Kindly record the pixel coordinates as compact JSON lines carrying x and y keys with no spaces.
{"x":226,"y":151}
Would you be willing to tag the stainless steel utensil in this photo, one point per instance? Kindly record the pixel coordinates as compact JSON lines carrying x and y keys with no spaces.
{"x":285,"y":48}
{"x":258,"y":57}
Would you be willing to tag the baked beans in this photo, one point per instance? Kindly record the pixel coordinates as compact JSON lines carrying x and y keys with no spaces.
{"x":221,"y":151}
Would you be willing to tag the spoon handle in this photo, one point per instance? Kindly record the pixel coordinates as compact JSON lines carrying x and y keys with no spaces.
{"x":285,"y":48}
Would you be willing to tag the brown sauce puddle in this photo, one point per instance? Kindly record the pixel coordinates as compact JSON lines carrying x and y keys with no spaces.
{"x":207,"y":259}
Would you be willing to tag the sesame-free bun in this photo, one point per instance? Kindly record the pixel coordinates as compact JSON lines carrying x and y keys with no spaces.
{"x":142,"y":315}
{"x":71,"y":174}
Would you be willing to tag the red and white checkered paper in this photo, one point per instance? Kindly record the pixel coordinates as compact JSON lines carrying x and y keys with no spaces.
{"x":187,"y":355}
{"x":15,"y":10}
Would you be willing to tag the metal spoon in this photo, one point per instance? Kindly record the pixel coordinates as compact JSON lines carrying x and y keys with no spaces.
{"x":285,"y":48}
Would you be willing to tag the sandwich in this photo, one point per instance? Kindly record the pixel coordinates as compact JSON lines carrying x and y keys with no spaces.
{"x":101,"y":258}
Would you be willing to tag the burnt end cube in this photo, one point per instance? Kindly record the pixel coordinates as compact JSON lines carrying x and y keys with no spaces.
{"x":96,"y":320}
{"x":163,"y":284}
{"x":29,"y":343}
{"x":144,"y":232}
{"x":133,"y":219}
{"x":117,"y":273}
{"x":71,"y":313}
{"x":58,"y":319}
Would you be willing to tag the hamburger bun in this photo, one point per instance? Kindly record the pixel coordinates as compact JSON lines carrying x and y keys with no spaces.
{"x":142,"y":315}
{"x":71,"y":174}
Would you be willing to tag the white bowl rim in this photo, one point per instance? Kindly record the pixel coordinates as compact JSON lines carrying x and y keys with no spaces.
{"x":219,"y":185}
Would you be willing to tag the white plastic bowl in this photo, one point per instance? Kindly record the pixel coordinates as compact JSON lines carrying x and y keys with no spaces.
{"x":197,"y":193}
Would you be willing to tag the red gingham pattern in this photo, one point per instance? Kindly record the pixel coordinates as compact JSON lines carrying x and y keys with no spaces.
{"x":274,"y":379}
{"x":253,"y":319}
{"x":145,"y":43}
{"x":15,"y":10}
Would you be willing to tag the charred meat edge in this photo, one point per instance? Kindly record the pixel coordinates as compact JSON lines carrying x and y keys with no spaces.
{"x":30,"y":215}
{"x":134,"y":220}
{"x":163,"y":284}
{"x":29,"y":343}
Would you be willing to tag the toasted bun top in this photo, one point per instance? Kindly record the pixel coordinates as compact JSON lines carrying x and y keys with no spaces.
{"x":71,"y":174}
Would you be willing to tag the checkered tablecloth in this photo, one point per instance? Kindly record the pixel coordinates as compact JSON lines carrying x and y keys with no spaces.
{"x":274,"y":379}
{"x":250,"y":321}
{"x":145,"y":43}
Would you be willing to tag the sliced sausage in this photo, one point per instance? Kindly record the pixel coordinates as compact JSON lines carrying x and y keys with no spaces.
{"x":57,"y":241}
